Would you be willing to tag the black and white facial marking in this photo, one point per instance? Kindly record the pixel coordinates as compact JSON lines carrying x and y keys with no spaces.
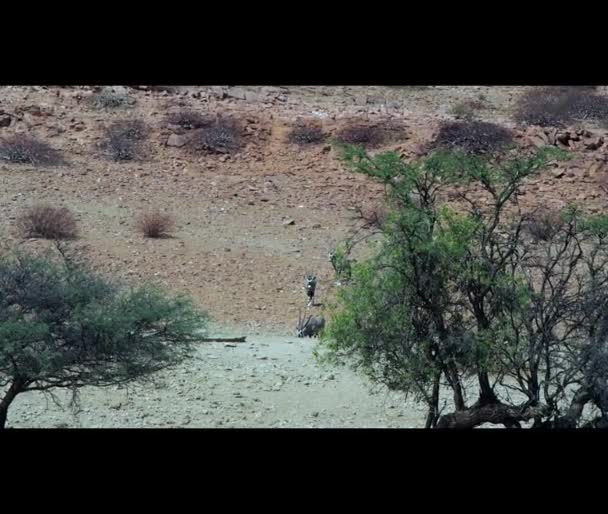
{"x":310,"y":283}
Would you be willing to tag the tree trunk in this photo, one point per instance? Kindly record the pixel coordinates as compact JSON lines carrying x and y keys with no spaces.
{"x":486,"y":394}
{"x":454,"y":380}
{"x":496,"y":413}
{"x":5,"y":403}
{"x":433,"y":415}
{"x":575,"y":411}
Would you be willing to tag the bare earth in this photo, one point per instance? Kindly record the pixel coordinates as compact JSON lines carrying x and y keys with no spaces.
{"x":232,"y":250}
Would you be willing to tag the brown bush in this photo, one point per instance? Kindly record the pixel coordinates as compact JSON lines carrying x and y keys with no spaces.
{"x":559,"y":106}
{"x":543,"y":224}
{"x":125,"y":138}
{"x":28,"y":150}
{"x":155,"y":224}
{"x":306,"y":134}
{"x":47,"y":222}
{"x":363,"y":135}
{"x":222,"y":136}
{"x":474,"y":137}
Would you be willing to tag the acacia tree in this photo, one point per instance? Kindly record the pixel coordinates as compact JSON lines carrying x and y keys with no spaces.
{"x":454,"y":297}
{"x":63,"y":326}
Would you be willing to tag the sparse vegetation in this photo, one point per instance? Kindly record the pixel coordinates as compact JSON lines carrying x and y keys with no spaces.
{"x":23,"y":149}
{"x":361,"y":135}
{"x":473,"y":137}
{"x":125,"y":138}
{"x":109,"y":99}
{"x":306,"y":134}
{"x":155,"y":224}
{"x":47,"y":222}
{"x":64,"y":327}
{"x":223,"y":136}
{"x":559,"y":106}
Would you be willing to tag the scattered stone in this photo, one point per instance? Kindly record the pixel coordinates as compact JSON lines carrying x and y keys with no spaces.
{"x":594,"y":145}
{"x":236,"y":92}
{"x":176,"y":140}
{"x":289,"y":222}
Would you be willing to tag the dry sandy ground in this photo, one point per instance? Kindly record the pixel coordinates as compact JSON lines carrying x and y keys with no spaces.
{"x":269,"y":381}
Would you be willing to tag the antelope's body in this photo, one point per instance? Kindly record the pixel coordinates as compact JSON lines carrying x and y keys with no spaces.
{"x":310,"y":327}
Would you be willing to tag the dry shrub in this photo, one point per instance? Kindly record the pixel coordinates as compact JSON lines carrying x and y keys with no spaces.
{"x":155,"y":224}
{"x":374,"y":217}
{"x":189,"y":120}
{"x":363,"y":135}
{"x":47,"y":222}
{"x":109,"y":99}
{"x":560,"y":106}
{"x":543,"y":224}
{"x":467,"y":109}
{"x":306,"y":134}
{"x":473,"y":137}
{"x":164,"y":89}
{"x":223,"y":136}
{"x":125,"y":138}
{"x":24,"y":149}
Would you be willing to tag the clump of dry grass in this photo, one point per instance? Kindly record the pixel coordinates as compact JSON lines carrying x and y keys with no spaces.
{"x":560,"y":106}
{"x":47,"y":222}
{"x":24,"y":149}
{"x":474,"y":137}
{"x":155,"y":224}
{"x":223,"y":136}
{"x":125,"y":138}
{"x":543,"y":224}
{"x":109,"y":99}
{"x":306,"y":134}
{"x":363,"y":135}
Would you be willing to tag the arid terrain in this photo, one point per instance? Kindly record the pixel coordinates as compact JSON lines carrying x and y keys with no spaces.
{"x":249,"y":226}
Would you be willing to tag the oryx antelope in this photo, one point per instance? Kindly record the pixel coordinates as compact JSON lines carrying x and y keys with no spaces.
{"x":310,"y":326}
{"x":310,"y":284}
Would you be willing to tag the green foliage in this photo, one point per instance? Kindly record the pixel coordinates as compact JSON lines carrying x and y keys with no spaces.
{"x":62,"y":325}
{"x":450,"y":294}
{"x":341,"y":263}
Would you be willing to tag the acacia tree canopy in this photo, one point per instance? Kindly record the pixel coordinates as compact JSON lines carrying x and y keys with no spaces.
{"x":64,"y":326}
{"x":454,"y":296}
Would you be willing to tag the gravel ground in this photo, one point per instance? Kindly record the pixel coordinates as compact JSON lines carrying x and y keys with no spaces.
{"x":269,"y":381}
